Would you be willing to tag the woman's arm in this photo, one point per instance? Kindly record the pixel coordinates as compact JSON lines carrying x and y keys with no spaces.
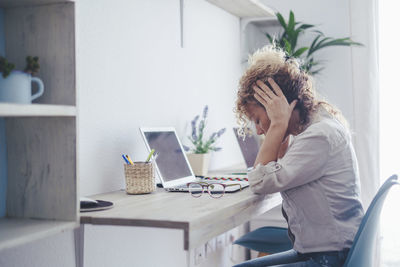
{"x":270,"y":148}
{"x":283,"y":147}
{"x":305,"y":161}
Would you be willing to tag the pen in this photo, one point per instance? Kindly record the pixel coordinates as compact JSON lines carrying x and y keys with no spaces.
{"x":129,"y":159}
{"x":126,"y":160}
{"x":151,"y":154}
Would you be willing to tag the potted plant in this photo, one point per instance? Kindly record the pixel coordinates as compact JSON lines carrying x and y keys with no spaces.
{"x":199,"y":154}
{"x":15,"y":86}
{"x":288,"y":39}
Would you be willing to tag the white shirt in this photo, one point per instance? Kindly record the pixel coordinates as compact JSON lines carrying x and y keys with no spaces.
{"x":319,"y":183}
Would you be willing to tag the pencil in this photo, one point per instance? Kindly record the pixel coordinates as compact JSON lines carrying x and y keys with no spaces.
{"x":129,"y":159}
{"x":151,"y":154}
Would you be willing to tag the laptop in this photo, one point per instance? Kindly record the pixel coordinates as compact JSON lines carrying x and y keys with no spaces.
{"x":249,"y":148}
{"x":171,"y":163}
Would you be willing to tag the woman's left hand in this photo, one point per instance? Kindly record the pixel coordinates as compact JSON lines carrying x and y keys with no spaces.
{"x":278,"y":109}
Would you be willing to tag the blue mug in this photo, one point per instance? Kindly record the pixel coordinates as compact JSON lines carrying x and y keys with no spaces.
{"x":17,"y":88}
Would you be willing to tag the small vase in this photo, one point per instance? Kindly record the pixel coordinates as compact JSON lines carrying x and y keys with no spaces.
{"x":199,"y":163}
{"x":16,"y":88}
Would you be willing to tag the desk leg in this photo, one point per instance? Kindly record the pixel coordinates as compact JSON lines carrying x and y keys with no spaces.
{"x":79,"y":234}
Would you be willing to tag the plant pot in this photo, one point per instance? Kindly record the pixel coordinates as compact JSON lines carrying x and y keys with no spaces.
{"x":16,"y":88}
{"x":199,"y":163}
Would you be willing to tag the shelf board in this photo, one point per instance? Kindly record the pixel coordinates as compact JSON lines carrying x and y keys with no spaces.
{"x":14,"y":232}
{"x":244,"y":8}
{"x":35,"y":110}
{"x":260,"y":22}
{"x":16,"y":3}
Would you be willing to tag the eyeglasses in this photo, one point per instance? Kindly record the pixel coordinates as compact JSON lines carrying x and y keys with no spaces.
{"x":215,"y":190}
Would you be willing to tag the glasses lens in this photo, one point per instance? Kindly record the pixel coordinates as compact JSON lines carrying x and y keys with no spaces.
{"x":195,"y":189}
{"x":216,"y":190}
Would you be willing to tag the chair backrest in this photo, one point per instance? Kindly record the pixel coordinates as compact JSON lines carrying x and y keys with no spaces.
{"x":362,"y":250}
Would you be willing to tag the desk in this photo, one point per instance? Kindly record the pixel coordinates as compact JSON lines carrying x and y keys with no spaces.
{"x":200,"y":219}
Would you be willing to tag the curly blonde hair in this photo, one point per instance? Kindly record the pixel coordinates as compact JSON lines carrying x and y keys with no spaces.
{"x":272,"y":62}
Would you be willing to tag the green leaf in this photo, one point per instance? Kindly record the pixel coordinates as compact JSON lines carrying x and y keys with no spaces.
{"x":288,"y":47}
{"x":270,"y":38}
{"x":316,"y":71}
{"x":282,"y":42}
{"x":290,"y":34}
{"x":318,"y":32}
{"x":329,"y":41}
{"x":291,"y":23}
{"x":304,"y":27}
{"x":313,"y":44}
{"x":341,"y":42}
{"x":300,"y":51}
{"x":294,"y":38}
{"x":281,"y":20}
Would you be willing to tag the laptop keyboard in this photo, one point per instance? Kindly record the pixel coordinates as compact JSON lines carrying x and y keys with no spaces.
{"x":180,"y":186}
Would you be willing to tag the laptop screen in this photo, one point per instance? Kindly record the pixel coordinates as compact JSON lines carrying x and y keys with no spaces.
{"x":171,"y":161}
{"x":249,"y":147}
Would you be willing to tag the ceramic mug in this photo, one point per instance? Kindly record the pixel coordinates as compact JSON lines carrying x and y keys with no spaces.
{"x":17,"y":88}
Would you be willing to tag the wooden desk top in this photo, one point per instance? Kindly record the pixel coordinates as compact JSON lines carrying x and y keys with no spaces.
{"x":201,"y":219}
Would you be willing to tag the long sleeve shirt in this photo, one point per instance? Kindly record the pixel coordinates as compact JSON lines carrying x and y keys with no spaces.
{"x":319,"y":183}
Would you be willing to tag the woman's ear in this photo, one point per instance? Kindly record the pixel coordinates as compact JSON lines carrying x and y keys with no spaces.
{"x":293,"y":104}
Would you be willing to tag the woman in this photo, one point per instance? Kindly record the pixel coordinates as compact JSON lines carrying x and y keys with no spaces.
{"x":316,"y":172}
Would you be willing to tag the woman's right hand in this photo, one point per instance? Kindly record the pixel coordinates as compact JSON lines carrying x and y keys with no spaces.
{"x":274,"y":101}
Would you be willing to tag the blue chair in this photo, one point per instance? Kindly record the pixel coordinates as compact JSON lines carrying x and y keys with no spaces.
{"x":266,"y":239}
{"x":362,"y":251}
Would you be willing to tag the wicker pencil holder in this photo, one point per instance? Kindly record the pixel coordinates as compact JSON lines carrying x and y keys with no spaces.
{"x":139,"y":178}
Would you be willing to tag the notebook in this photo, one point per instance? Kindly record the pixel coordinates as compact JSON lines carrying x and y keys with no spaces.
{"x":171,"y":163}
{"x":249,"y":148}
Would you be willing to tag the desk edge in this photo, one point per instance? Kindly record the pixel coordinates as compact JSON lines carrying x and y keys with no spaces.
{"x":141,"y":223}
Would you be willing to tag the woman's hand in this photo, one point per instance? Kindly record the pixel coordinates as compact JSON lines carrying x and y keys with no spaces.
{"x":279,"y":112}
{"x":278,"y":109}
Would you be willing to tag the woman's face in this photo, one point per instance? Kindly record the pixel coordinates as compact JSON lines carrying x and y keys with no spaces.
{"x":259,"y":116}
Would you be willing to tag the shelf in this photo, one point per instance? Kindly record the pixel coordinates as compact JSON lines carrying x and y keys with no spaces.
{"x":41,"y":138}
{"x":16,"y":3}
{"x":36,"y":110}
{"x":14,"y":232}
{"x":260,"y":22}
{"x":244,"y":8}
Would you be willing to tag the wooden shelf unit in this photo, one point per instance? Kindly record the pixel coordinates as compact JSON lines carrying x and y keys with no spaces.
{"x":36,"y":110}
{"x":18,"y":3}
{"x":41,"y":195}
{"x":244,"y":8}
{"x":14,"y":232}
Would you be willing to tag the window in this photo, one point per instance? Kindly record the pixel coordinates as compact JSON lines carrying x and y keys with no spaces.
{"x":389,"y":59}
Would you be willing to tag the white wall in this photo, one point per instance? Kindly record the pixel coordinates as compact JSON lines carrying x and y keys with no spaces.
{"x":132,"y":72}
